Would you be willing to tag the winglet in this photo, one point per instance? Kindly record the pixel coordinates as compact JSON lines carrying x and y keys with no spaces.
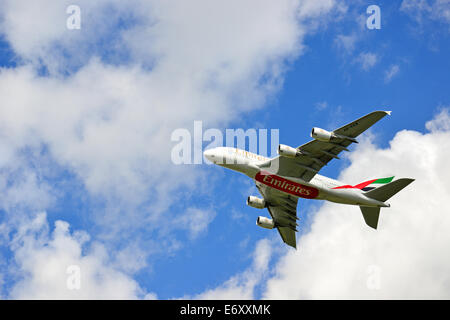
{"x":388,"y":112}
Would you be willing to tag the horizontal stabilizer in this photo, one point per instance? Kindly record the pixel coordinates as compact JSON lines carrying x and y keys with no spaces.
{"x":385,"y":192}
{"x":371,"y":215}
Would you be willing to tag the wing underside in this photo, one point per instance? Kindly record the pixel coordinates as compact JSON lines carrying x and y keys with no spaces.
{"x":283,"y":210}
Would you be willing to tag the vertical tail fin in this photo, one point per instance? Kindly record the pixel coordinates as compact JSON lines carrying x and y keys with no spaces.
{"x":385,"y":192}
{"x":371,"y":215}
{"x":367,"y":185}
{"x":372,"y":184}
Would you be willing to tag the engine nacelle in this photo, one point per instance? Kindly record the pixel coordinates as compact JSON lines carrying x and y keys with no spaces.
{"x":256,"y":202}
{"x":264,"y":222}
{"x":321,"y":134}
{"x":286,"y":151}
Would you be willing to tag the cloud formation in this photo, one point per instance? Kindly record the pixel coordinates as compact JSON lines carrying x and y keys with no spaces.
{"x":59,"y":264}
{"x":90,"y":111}
{"x":422,"y":10}
{"x":391,"y":72}
{"x":367,"y":60}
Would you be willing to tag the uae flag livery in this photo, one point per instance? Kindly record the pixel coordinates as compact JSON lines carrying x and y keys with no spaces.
{"x":286,"y":185}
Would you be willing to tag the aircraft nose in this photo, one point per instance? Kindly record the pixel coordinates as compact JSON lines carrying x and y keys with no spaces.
{"x":209,"y":154}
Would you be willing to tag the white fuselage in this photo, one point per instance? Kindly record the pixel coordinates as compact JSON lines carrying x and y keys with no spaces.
{"x":319,"y":188}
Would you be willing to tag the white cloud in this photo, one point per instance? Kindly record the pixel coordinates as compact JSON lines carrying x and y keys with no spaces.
{"x":346,"y":43}
{"x":207,"y":63}
{"x":391,"y":73}
{"x":49,"y":264}
{"x":420,"y":10}
{"x":367,"y":60}
{"x":21,"y":187}
{"x":314,"y":9}
{"x":113,"y":93}
{"x":321,"y":105}
{"x":440,"y":123}
{"x":341,"y":256}
{"x":196,"y":221}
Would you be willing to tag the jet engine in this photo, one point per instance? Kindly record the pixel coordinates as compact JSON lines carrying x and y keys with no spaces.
{"x":256,"y":202}
{"x":264,"y":222}
{"x":286,"y":151}
{"x":321,"y":134}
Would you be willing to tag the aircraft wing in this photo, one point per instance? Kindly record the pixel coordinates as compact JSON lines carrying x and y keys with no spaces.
{"x":283,"y":209}
{"x":316,"y":154}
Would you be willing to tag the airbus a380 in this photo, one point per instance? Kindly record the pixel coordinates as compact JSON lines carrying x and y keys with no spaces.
{"x":294,"y":174}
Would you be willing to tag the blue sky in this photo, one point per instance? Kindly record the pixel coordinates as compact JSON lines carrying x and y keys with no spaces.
{"x":341,"y":71}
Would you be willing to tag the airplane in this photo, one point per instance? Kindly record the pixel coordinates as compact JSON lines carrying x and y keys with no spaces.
{"x":293,"y":174}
